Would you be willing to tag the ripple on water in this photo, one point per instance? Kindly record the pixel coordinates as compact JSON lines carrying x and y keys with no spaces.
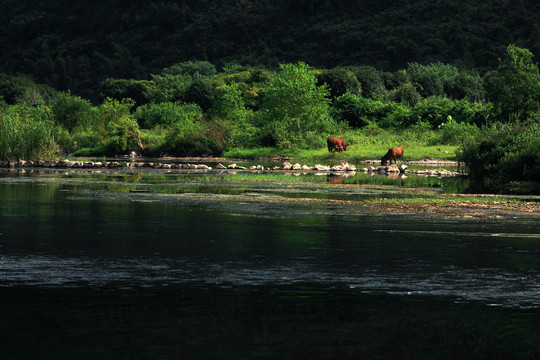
{"x":490,"y":285}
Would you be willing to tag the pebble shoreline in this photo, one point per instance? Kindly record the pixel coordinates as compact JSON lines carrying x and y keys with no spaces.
{"x":343,"y":168}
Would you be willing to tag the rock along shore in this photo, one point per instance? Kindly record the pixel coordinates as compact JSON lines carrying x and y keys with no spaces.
{"x":344,"y":167}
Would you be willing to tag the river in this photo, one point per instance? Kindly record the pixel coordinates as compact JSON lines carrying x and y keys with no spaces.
{"x":161,"y":265}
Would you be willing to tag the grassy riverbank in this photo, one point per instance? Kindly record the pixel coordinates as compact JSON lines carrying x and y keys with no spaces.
{"x":414,"y":150}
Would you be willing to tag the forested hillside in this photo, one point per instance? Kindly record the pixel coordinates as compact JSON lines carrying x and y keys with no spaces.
{"x":77,"y":44}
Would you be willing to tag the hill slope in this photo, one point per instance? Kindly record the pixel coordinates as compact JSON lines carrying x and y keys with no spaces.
{"x":75,"y":44}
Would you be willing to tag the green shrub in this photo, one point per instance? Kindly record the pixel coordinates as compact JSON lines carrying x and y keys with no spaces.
{"x":229,"y":114}
{"x":20,"y":89}
{"x":454,"y":133}
{"x":166,"y":114}
{"x":503,"y":153}
{"x":339,"y":82}
{"x":432,"y":79}
{"x":119,"y":89}
{"x":371,"y":82}
{"x":124,"y":136}
{"x":359,"y":111}
{"x":192,"y":139}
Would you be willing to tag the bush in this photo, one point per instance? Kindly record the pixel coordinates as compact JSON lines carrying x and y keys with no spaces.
{"x":19,"y":90}
{"x":358,"y":112}
{"x":502,"y":154}
{"x":433,"y":110}
{"x":406,"y":94}
{"x":166,"y":114}
{"x":339,"y":82}
{"x":124,"y":136}
{"x":192,"y":139}
{"x":454,"y":133}
{"x":201,"y":91}
{"x":432,"y":79}
{"x":230,"y":115}
{"x":119,"y":89}
{"x":371,"y":82}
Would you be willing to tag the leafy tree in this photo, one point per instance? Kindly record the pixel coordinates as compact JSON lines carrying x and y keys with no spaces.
{"x":371,"y":82}
{"x":124,"y":135}
{"x":295,"y":108}
{"x":252,"y":83}
{"x":110,"y":111}
{"x":20,"y":89}
{"x":192,"y":137}
{"x":123,"y":88}
{"x":468,"y":85}
{"x":454,"y":132}
{"x":229,"y":112}
{"x":393,"y":80}
{"x":433,"y":78}
{"x":406,"y":93}
{"x":166,"y":114}
{"x":201,"y":92}
{"x":503,"y":154}
{"x":514,"y":87}
{"x":71,"y":111}
{"x":192,"y":68}
{"x":167,"y":88}
{"x":339,"y":81}
{"x":356,"y":110}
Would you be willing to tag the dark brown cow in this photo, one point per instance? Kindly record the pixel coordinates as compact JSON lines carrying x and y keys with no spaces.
{"x":336,"y":144}
{"x":392,"y":154}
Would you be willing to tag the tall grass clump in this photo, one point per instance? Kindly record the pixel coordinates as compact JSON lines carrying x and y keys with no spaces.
{"x":26,"y":132}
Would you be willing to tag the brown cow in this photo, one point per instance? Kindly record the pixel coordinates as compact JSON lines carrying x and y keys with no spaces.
{"x":336,"y":144}
{"x":392,"y":154}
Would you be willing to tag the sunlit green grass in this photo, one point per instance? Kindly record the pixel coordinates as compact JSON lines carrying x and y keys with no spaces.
{"x":362,"y":146}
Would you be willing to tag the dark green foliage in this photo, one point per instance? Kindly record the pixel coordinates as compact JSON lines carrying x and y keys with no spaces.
{"x":454,"y":132}
{"x":167,"y":88}
{"x":194,"y":138}
{"x":432,"y":79}
{"x":70,"y":111}
{"x":76,"y":45}
{"x":166,"y":114}
{"x":339,"y":82}
{"x":201,"y":91}
{"x":123,"y":136}
{"x":119,"y":89}
{"x":514,"y":87}
{"x":503,"y":154}
{"x":191,"y":68}
{"x":392,"y":80}
{"x":435,"y":111}
{"x":357,"y":111}
{"x":252,"y":84}
{"x":20,"y":89}
{"x":405,"y":93}
{"x":467,"y":85}
{"x":371,"y":82}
